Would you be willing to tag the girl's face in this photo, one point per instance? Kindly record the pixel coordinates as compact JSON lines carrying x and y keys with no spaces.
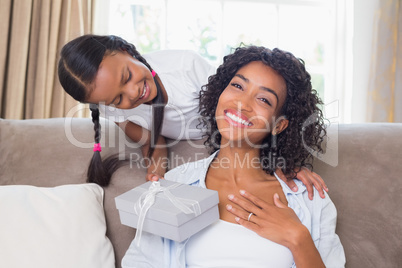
{"x":249,"y":106}
{"x":122,"y":81}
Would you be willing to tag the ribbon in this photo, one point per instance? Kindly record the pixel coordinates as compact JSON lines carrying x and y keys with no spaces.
{"x":97,"y":147}
{"x":147,"y":199}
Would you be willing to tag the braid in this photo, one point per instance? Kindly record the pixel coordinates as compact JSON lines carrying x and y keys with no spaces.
{"x":96,"y":171}
{"x":158,"y":110}
{"x":95,"y":120}
{"x":100,"y":172}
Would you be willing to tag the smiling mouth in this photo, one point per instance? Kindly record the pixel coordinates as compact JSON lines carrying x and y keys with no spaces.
{"x":238,"y":120}
{"x":144,"y":91}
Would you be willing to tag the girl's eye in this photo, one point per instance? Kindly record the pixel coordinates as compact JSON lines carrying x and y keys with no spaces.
{"x":120,"y":99}
{"x":129,"y":76}
{"x":236,"y":86}
{"x":265,"y":101}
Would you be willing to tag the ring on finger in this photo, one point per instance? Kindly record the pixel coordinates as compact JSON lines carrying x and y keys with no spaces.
{"x":249,"y":216}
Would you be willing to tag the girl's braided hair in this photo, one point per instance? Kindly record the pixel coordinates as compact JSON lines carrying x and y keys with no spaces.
{"x":77,"y":69}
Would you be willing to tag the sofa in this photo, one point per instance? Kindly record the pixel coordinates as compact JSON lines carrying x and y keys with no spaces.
{"x":49,"y":157}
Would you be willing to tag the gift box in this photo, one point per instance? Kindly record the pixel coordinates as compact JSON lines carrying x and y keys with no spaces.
{"x":169,"y":209}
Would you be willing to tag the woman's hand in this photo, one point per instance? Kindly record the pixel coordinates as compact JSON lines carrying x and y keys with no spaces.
{"x":309,"y":178}
{"x":276,"y":222}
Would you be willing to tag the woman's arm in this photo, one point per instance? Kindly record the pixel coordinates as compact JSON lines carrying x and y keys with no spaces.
{"x":157,"y":164}
{"x":300,"y":243}
{"x":329,"y":245}
{"x":150,"y":254}
{"x":304,"y":252}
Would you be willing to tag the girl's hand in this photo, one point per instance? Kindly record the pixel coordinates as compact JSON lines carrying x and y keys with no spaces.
{"x":277,"y":222}
{"x":309,"y":179}
{"x":153,"y":177}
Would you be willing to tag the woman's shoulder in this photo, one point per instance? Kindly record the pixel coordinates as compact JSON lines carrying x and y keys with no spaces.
{"x":301,"y":195}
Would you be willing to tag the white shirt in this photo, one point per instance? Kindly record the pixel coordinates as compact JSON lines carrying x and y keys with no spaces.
{"x":318,"y":215}
{"x":183,"y":73}
{"x":229,"y":245}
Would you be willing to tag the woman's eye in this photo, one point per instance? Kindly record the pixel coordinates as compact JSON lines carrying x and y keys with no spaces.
{"x":265,"y":101}
{"x":236,"y":86}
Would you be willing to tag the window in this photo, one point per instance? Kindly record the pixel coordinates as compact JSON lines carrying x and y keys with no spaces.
{"x":307,"y":28}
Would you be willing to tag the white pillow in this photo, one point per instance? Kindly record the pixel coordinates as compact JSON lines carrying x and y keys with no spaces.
{"x":55,"y":227}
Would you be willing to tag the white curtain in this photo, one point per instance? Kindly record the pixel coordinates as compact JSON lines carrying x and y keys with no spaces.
{"x":384,"y":98}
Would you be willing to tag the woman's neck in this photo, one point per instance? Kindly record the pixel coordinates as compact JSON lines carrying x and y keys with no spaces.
{"x":239,"y":163}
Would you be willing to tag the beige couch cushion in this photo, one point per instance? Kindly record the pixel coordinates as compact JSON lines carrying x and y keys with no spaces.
{"x":52,"y":152}
{"x":365,"y":185}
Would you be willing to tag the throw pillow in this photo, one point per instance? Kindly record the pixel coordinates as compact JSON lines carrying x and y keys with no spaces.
{"x":59,"y":227}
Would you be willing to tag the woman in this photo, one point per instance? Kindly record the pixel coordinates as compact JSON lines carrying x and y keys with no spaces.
{"x":144,"y":101}
{"x":254,"y":109}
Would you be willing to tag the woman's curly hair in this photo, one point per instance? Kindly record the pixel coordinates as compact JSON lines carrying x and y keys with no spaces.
{"x":306,"y":128}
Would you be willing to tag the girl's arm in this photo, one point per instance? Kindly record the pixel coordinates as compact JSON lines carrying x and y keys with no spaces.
{"x":157,"y":164}
{"x":309,"y":178}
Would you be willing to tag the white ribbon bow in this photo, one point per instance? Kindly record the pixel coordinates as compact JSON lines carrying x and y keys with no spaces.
{"x":147,"y":199}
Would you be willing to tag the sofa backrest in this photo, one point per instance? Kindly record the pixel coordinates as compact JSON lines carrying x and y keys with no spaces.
{"x":57,"y":151}
{"x":363,"y":175}
{"x":366,"y":188}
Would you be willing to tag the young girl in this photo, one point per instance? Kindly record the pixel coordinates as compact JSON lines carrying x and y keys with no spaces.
{"x":254,"y":108}
{"x":151,"y":97}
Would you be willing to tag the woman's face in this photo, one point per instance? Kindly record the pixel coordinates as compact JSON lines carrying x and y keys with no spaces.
{"x":249,"y":106}
{"x":122,"y":81}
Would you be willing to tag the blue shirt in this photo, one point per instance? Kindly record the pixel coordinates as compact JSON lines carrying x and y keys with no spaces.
{"x":318,"y":215}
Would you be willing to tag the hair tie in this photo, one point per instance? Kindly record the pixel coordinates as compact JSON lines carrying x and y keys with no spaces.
{"x":153,"y":73}
{"x":97,"y":147}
